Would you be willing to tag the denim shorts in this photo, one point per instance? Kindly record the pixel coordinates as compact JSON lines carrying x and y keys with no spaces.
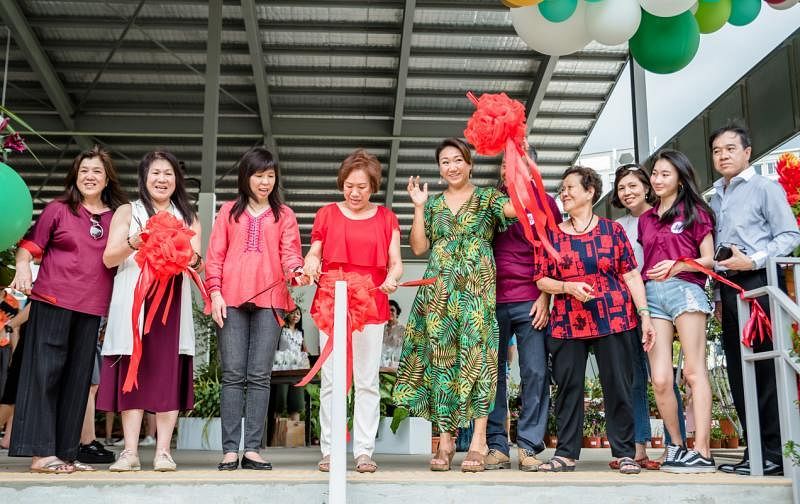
{"x":674,"y":297}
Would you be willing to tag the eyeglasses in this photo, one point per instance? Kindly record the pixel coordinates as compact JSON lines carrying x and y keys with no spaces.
{"x":96,"y":231}
{"x":628,"y":167}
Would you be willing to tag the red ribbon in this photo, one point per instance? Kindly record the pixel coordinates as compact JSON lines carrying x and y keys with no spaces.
{"x":360,"y":308}
{"x":165,"y":252}
{"x":758,"y":327}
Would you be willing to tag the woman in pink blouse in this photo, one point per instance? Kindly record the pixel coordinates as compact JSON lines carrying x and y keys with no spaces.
{"x":254,"y":246}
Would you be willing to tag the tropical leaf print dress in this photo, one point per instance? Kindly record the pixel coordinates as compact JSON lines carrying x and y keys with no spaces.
{"x":448,"y":366}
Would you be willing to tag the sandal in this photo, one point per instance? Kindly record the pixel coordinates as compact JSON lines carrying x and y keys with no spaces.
{"x":80,"y":466}
{"x":55,"y":466}
{"x":442,"y":454}
{"x":474,"y":456}
{"x":557,"y":464}
{"x":628,"y":466}
{"x":644,"y":463}
{"x":365,"y":464}
{"x":324,"y":465}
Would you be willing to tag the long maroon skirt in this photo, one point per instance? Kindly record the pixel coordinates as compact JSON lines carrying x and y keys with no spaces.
{"x":165,"y":377}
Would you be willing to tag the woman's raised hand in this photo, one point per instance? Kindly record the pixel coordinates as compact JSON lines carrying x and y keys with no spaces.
{"x":418,"y":195}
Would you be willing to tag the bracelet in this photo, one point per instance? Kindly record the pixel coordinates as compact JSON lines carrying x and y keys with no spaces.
{"x":563,"y":286}
{"x":196,"y":263}
{"x":643,"y":310}
{"x":131,"y":244}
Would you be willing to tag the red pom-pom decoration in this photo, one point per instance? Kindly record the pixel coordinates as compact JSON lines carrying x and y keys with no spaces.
{"x":166,"y":251}
{"x":496,"y":120}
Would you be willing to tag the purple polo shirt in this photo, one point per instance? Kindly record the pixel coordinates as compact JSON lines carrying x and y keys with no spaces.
{"x":72,"y":274}
{"x":513,"y":255}
{"x":670,"y":240}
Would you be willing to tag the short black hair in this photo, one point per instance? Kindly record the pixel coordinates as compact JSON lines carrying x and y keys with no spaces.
{"x":640,"y":173}
{"x":396,"y":306}
{"x":589,"y":179}
{"x":734,"y":126}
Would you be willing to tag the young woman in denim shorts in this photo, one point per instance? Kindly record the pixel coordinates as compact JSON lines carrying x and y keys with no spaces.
{"x":680,"y":225}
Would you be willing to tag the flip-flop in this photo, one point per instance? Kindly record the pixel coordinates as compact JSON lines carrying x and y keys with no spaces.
{"x":474,"y":456}
{"x":365,"y":464}
{"x":557,"y":464}
{"x":54,"y":467}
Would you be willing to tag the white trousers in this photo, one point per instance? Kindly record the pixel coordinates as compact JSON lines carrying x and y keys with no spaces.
{"x":367,"y":348}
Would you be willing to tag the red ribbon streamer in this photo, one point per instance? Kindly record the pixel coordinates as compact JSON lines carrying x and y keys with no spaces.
{"x":758,"y":327}
{"x":165,"y":252}
{"x":360,"y":308}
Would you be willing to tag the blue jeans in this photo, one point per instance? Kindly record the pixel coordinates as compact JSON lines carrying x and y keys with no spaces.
{"x":514,"y":318}
{"x":247,"y":344}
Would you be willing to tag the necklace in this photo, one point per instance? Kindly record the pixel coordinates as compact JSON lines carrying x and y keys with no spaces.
{"x":572,"y":221}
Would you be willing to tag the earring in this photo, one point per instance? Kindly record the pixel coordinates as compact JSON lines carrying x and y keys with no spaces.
{"x":441,"y":181}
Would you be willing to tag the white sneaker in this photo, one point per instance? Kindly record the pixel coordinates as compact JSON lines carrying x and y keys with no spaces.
{"x":148,"y":441}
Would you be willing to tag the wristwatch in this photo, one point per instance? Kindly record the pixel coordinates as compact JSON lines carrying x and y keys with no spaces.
{"x":753,"y":263}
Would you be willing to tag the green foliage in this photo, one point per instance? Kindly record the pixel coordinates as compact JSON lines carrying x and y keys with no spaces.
{"x":792,"y":451}
{"x":7,"y":266}
{"x":313,"y":396}
{"x":207,"y":387}
{"x":716,"y":432}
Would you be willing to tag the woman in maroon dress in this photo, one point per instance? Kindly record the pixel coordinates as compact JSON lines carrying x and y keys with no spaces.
{"x":165,"y":372}
{"x":357,"y":236}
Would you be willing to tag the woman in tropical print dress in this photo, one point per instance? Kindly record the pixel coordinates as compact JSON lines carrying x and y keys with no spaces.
{"x":448,"y":367}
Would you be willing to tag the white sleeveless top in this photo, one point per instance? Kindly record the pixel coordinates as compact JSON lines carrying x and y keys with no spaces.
{"x":119,"y":333}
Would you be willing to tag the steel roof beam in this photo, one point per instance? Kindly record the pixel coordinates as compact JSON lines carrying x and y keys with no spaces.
{"x":259,"y":73}
{"x":37,"y":59}
{"x":210,"y":116}
{"x":400,"y":97}
{"x":544,"y":75}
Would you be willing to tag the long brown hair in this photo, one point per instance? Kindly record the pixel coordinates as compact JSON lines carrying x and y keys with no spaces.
{"x":179,"y":196}
{"x":112,"y":196}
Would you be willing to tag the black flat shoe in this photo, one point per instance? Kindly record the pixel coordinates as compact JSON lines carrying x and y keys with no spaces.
{"x":770,"y":469}
{"x":256,"y":466}
{"x":229,"y":466}
{"x":731,"y":468}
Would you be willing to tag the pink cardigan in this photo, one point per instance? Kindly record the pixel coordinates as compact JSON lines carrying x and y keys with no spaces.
{"x":246,"y":257}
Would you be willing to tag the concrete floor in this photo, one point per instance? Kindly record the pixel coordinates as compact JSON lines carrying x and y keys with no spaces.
{"x":401,"y":479}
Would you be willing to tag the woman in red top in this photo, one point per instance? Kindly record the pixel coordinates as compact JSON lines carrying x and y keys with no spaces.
{"x":254,"y":245}
{"x":595,"y":287}
{"x":355,"y":235}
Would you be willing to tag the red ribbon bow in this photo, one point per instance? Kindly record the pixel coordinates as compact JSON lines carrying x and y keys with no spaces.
{"x":758,"y":327}
{"x":166,"y":251}
{"x":360,"y":308}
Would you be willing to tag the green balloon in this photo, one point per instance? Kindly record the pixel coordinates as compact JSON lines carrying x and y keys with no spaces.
{"x":557,"y":10}
{"x":744,"y":12}
{"x":712,"y":15}
{"x":17,"y":207}
{"x":665,"y":45}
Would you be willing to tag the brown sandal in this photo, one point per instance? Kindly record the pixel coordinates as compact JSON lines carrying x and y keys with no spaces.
{"x":442,"y":454}
{"x":365,"y":464}
{"x":56,"y":466}
{"x":474,"y":456}
{"x":324,"y":465}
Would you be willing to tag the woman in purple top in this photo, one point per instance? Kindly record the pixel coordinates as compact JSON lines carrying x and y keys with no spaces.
{"x":680,"y":225}
{"x":72,"y":291}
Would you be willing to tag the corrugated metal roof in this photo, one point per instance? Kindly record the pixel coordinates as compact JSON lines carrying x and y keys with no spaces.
{"x":332,"y":67}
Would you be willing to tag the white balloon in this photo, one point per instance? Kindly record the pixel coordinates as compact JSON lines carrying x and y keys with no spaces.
{"x":546,"y":37}
{"x":613,"y":22}
{"x":666,"y":8}
{"x":787,"y":4}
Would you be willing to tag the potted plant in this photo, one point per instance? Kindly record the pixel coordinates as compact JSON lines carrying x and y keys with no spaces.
{"x":716,"y":437}
{"x":592,"y":421}
{"x":551,"y":431}
{"x":400,"y":433}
